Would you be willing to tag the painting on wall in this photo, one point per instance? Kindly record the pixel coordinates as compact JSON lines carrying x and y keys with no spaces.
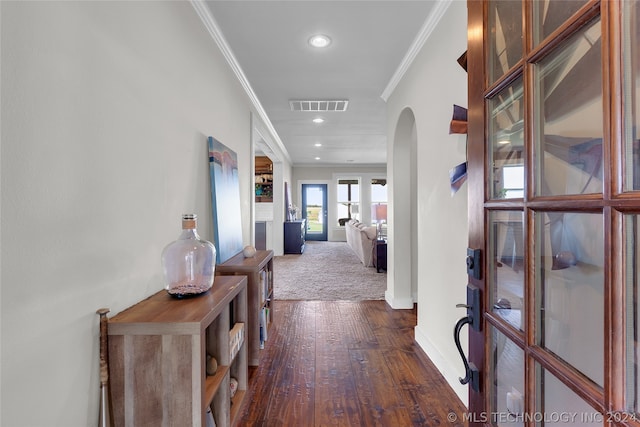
{"x":225,"y":200}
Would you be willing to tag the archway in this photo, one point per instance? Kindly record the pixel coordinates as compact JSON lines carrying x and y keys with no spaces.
{"x":402,"y":246}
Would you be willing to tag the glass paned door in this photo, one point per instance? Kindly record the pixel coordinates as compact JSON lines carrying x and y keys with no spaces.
{"x":568,"y":108}
{"x":570,"y":289}
{"x":554,"y":204}
{"x":631,"y":92}
{"x":505,"y":22}
{"x":549,"y":15}
{"x":507,"y":375}
{"x":630,"y":299}
{"x":507,"y":267}
{"x":557,"y":405}
{"x":632,"y":312}
{"x":506,"y":130}
{"x":314,"y":210}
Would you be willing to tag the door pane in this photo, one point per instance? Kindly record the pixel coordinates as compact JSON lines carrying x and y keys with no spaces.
{"x":632,"y":309}
{"x":507,"y":372}
{"x":569,"y":276}
{"x":507,"y":266}
{"x":631,"y":55}
{"x":505,"y":46}
{"x":558,"y":406}
{"x":550,"y":14}
{"x":568,"y":112}
{"x":506,"y":155}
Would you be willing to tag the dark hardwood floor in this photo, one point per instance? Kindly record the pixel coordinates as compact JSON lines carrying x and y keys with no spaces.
{"x":346,"y":364}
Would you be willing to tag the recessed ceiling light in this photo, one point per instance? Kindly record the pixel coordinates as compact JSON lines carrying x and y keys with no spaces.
{"x":320,"y":40}
{"x":318,"y":120}
{"x":317,"y":158}
{"x":317,"y":144}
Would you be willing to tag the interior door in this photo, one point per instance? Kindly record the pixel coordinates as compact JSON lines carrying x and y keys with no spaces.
{"x":314,"y":210}
{"x":554,"y":168}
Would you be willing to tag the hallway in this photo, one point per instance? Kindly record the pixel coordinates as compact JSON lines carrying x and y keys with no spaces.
{"x":348,"y":364}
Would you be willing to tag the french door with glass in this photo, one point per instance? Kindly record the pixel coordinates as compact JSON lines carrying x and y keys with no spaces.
{"x":554,"y":203}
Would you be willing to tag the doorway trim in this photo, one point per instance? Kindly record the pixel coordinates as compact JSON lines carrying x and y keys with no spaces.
{"x":261,"y":140}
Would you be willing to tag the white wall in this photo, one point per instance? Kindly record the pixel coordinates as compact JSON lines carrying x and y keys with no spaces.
{"x":106,"y":107}
{"x":282,"y":172}
{"x":328,"y":175}
{"x":431,"y":86}
{"x":273,"y":213}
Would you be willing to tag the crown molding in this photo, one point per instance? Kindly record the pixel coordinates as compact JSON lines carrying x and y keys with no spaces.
{"x":427,"y":28}
{"x":212,"y":27}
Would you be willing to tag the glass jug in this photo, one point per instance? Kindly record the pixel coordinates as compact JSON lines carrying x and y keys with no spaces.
{"x":189,"y":262}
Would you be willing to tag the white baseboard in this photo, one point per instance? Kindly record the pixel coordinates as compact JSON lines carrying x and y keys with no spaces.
{"x":443,"y":364}
{"x":398,"y":303}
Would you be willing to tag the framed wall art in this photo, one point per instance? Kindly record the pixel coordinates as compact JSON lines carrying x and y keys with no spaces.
{"x":225,"y":200}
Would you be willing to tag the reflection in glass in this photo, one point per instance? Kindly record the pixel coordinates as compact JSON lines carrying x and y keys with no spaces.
{"x":557,"y":405}
{"x":631,"y":229}
{"x":507,"y":373}
{"x":505,"y":46}
{"x":550,"y":14}
{"x":506,"y":137}
{"x":631,"y":55}
{"x":507,"y":266}
{"x":570,"y":289}
{"x":569,"y":117}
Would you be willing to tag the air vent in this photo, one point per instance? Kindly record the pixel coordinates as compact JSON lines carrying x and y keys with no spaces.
{"x":319,"y":105}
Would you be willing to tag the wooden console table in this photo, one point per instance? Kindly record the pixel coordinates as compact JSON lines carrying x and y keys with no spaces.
{"x":259,"y":273}
{"x":157,"y":351}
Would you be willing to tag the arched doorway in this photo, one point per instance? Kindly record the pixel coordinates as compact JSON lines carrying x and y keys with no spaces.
{"x":402,"y":245}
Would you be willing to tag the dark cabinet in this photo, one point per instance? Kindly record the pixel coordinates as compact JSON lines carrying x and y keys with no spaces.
{"x":381,"y":255}
{"x":294,"y":235}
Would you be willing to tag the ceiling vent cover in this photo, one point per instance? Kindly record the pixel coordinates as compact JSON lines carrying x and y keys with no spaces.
{"x":319,"y":105}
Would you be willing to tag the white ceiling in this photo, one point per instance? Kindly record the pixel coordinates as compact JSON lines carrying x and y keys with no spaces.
{"x":369,"y":41}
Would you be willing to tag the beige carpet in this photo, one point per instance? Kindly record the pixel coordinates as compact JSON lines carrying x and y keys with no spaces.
{"x":326,"y":271}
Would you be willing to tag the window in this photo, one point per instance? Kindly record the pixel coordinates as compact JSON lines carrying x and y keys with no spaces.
{"x":348,"y":196}
{"x":378,"y":201}
{"x":378,"y":190}
{"x":513,"y":180}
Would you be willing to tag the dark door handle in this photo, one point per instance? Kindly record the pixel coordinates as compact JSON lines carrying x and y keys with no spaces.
{"x":472,"y":374}
{"x":471,"y":371}
{"x":468,"y":367}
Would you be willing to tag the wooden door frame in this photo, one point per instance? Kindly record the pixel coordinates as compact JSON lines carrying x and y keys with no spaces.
{"x":475,"y":173}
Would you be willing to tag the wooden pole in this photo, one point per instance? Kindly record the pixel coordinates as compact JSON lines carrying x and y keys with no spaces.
{"x":105,"y":404}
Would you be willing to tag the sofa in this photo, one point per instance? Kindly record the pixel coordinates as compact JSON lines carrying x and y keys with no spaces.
{"x":361,"y":238}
